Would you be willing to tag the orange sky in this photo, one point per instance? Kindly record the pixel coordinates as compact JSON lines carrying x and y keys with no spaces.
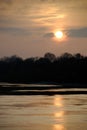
{"x":27,"y":27}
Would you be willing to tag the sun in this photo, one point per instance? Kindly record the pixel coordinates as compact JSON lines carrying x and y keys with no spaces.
{"x":59,"y":34}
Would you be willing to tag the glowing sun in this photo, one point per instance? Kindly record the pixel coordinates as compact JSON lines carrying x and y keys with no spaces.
{"x":59,"y":34}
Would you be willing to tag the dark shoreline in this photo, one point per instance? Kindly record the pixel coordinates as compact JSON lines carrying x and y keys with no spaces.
{"x":43,"y":93}
{"x":57,"y":84}
{"x":41,"y":89}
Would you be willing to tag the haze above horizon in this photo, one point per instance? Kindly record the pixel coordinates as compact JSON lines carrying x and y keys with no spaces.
{"x":28,"y":27}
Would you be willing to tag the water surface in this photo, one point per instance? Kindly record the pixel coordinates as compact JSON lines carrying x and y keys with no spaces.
{"x":58,"y":112}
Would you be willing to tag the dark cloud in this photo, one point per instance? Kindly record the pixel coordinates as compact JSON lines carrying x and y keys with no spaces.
{"x":6,"y":1}
{"x":15,"y":30}
{"x":49,"y":35}
{"x":77,"y":33}
{"x":5,"y":21}
{"x":80,"y":32}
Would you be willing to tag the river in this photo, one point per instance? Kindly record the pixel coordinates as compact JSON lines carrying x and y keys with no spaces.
{"x":42,"y":112}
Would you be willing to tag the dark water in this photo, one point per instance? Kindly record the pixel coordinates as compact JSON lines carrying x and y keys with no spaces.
{"x":58,"y":112}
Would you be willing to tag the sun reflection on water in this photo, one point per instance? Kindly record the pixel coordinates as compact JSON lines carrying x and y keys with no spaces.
{"x":58,"y":127}
{"x":58,"y":114}
{"x":58,"y":101}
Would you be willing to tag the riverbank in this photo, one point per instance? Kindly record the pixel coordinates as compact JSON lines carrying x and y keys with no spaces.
{"x":42,"y":89}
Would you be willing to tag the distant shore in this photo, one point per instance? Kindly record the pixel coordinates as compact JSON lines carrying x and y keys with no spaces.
{"x":66,"y":70}
{"x":45,"y":88}
{"x":51,"y":84}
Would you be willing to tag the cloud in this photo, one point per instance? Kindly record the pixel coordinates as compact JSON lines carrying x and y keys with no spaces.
{"x":80,"y":32}
{"x":15,"y":31}
{"x":7,"y":2}
{"x":49,"y":35}
{"x":74,"y":33}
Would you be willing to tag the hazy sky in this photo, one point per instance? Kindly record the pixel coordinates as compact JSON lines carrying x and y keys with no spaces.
{"x":27,"y":27}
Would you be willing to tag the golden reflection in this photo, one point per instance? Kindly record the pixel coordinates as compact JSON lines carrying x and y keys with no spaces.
{"x":58,"y":101}
{"x":58,"y":114}
{"x":58,"y":127}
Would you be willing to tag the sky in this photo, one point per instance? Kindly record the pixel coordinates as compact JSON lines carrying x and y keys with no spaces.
{"x":28,"y":27}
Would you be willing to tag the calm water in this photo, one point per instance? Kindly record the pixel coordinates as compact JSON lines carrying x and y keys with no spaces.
{"x":58,"y":112}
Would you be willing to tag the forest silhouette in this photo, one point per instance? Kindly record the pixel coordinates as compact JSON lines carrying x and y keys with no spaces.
{"x":66,"y":68}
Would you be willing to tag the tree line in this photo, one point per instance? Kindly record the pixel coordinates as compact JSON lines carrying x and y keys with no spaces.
{"x":66,"y":68}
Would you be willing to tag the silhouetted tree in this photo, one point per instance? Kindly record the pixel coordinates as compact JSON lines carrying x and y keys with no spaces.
{"x":78,"y":56}
{"x":66,"y":55}
{"x":12,"y":59}
{"x":50,"y":56}
{"x":66,"y":68}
